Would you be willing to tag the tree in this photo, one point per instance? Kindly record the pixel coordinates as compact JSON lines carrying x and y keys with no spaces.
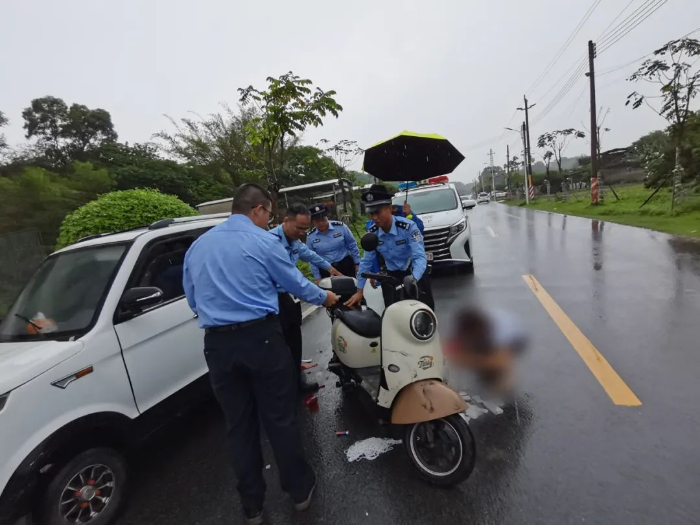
{"x":218,"y":144}
{"x":677,"y":81}
{"x":63,"y":134}
{"x":286,"y":108}
{"x":139,"y":166}
{"x":547,"y":158}
{"x":308,"y":164}
{"x":121,"y":210}
{"x":557,"y":141}
{"x":3,"y":122}
{"x":656,"y":152}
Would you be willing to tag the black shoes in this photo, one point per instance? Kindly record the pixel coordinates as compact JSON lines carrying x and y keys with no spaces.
{"x":303,"y":505}
{"x":308,"y":388}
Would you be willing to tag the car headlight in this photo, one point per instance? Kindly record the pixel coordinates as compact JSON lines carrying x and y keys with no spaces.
{"x":458,"y":227}
{"x":423,"y":325}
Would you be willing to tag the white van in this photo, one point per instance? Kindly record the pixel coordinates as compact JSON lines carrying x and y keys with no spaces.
{"x":447,"y":229}
{"x":98,"y":350}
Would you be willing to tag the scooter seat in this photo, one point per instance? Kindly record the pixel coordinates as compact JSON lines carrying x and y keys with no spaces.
{"x":366,"y":323}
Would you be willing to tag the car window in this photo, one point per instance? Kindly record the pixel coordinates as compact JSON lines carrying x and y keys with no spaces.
{"x":162,"y":267}
{"x":65,"y":295}
{"x":430,"y":201}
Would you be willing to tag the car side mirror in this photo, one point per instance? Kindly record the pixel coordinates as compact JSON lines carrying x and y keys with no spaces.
{"x":468,"y":206}
{"x":369,"y":242}
{"x":135,"y":300}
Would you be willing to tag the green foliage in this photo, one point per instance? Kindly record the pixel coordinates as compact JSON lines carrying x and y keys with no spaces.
{"x":63,"y":134}
{"x":121,"y":210}
{"x":3,"y":122}
{"x":286,"y":109}
{"x":557,"y":141}
{"x":38,"y":198}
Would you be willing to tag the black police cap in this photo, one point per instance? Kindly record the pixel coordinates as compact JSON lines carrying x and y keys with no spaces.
{"x":317,"y":211}
{"x":376,"y":196}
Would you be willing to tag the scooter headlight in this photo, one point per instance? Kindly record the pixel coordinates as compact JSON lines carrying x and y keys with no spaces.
{"x":423,"y":325}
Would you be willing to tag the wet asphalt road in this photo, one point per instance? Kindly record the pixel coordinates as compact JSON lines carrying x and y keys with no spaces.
{"x":572,"y":456}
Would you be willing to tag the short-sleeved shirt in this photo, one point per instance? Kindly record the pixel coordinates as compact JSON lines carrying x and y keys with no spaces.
{"x":333,"y":245}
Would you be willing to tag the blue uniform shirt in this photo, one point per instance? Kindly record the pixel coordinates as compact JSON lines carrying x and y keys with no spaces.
{"x":414,"y":218}
{"x":333,"y":245}
{"x":400,"y":247}
{"x":298,"y":250}
{"x":231,"y":273}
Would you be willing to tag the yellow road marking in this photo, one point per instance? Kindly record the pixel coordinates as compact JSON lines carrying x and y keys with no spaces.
{"x":611,"y":382}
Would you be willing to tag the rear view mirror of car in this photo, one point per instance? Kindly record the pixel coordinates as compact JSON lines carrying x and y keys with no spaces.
{"x":135,"y":300}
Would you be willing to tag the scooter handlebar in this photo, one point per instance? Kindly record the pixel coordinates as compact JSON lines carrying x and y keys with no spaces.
{"x":382,"y":278}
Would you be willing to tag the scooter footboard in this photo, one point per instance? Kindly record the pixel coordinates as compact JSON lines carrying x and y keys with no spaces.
{"x":425,"y":401}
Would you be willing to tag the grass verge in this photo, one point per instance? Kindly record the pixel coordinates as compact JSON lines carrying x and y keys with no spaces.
{"x":655,"y":215}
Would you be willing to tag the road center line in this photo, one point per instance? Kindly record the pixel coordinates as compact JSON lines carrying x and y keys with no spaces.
{"x":611,"y":382}
{"x":491,"y":232}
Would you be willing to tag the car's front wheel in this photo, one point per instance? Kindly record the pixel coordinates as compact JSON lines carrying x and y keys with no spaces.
{"x":90,"y":489}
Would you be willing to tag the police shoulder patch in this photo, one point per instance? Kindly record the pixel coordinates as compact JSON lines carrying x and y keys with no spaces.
{"x":403,"y":225}
{"x":373,"y":228}
{"x":312,"y":230}
{"x":337,"y":223}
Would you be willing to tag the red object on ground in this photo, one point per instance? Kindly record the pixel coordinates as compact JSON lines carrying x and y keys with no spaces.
{"x":311,"y":401}
{"x":306,"y":366}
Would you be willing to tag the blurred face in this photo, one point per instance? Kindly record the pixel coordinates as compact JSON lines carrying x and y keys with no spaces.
{"x":296,"y":227}
{"x":321,"y":224}
{"x":261,"y":215}
{"x":382,"y":217}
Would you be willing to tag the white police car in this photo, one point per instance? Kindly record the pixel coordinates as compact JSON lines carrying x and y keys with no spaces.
{"x":98,"y":350}
{"x":447,"y":229}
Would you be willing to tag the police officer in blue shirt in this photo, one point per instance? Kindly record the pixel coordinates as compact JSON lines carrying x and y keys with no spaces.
{"x":230,"y":278}
{"x":296,"y":222}
{"x":400,"y":247}
{"x":333,"y":241}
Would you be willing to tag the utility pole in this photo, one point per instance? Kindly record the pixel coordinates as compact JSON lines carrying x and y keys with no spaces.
{"x":493,"y":180}
{"x":527,"y":175}
{"x":507,"y":167}
{"x":595,"y":180}
{"x":528,"y":146}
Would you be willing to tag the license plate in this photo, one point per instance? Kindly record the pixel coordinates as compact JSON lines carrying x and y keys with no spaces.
{"x":430,"y":256}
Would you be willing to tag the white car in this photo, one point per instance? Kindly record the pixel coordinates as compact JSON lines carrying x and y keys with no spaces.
{"x":483,"y":197}
{"x":448,"y":232}
{"x":95,"y":352}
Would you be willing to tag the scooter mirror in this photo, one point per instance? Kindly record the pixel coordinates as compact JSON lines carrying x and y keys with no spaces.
{"x":369,"y":242}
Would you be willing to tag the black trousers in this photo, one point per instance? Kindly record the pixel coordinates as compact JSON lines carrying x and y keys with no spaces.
{"x":251,"y":372}
{"x":346,"y":266}
{"x":290,"y":320}
{"x":425,"y":289}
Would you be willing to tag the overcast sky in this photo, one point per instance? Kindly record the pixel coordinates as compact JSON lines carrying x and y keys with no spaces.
{"x":458,"y":68}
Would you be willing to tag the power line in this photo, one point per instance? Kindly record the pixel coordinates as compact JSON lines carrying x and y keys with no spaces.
{"x":614,"y":20}
{"x":609,"y":44}
{"x":566,"y":45}
{"x":577,"y":75}
{"x":601,"y":39}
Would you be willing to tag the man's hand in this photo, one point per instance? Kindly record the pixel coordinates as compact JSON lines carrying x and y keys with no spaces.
{"x":357,"y":269}
{"x":406,"y":209}
{"x":334,"y":272}
{"x":373,"y":282}
{"x":331,"y":299}
{"x":355,"y":299}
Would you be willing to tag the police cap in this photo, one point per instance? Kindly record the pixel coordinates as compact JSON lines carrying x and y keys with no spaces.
{"x":376,"y":196}
{"x":317,"y":211}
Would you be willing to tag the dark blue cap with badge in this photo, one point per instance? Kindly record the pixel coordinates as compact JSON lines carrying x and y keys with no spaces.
{"x":317,"y":211}
{"x":376,"y":196}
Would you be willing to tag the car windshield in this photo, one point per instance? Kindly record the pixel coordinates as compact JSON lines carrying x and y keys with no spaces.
{"x":64,"y":295}
{"x":429,"y":201}
{"x":483,"y":194}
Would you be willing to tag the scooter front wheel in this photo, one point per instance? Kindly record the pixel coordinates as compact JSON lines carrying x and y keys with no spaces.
{"x":443,"y":450}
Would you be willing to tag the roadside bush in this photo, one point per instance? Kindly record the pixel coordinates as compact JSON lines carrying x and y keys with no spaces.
{"x":121,"y":210}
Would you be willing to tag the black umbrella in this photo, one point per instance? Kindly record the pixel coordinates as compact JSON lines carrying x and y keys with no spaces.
{"x":411,"y":156}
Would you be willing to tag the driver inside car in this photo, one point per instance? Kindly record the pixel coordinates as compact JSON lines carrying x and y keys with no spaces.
{"x":400,"y":247}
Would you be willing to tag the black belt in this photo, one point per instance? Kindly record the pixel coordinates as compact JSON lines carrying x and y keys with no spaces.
{"x":237,"y":326}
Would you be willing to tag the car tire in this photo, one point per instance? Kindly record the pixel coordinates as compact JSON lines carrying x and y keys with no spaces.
{"x":106,"y":466}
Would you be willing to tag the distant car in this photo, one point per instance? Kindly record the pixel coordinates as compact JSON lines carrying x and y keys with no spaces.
{"x":483,"y":197}
{"x":501,"y":195}
{"x":468,"y":203}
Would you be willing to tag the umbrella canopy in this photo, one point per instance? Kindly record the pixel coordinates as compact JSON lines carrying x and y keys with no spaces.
{"x":411,"y":156}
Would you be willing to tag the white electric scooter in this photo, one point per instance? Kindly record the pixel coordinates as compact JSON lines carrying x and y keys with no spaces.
{"x":397,"y":359}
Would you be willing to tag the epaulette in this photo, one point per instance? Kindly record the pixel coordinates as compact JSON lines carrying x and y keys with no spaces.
{"x":312,"y":230}
{"x":403,"y":225}
{"x":337,"y":223}
{"x":373,"y":228}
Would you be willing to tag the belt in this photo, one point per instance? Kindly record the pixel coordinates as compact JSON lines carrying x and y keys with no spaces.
{"x":237,"y":326}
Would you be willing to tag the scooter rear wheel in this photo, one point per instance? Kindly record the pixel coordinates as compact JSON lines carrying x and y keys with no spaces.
{"x":443,"y":450}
